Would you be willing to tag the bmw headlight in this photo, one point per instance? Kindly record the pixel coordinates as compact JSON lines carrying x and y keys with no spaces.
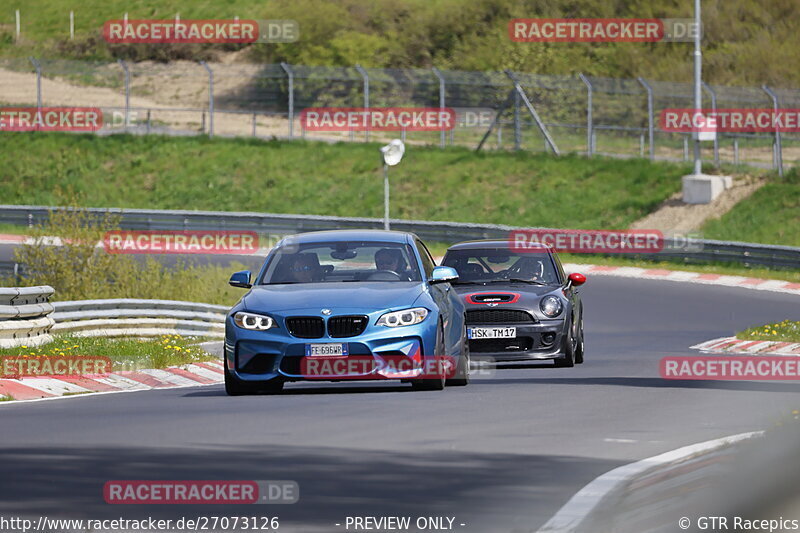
{"x":551,"y":306}
{"x":407,"y":317}
{"x":253,"y":321}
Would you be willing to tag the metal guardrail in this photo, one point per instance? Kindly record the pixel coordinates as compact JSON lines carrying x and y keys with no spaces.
{"x":139,"y":318}
{"x":25,"y":316}
{"x":269,"y":224}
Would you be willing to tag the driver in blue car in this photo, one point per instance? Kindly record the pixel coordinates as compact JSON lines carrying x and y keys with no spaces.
{"x":305,"y":268}
{"x":393,"y":261}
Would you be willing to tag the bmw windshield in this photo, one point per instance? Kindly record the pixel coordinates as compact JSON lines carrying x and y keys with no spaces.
{"x":341,"y":262}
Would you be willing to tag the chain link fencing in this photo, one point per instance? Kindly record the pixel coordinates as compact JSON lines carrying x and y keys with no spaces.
{"x":582,"y":114}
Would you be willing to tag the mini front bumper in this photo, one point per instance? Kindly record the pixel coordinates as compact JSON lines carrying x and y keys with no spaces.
{"x":529,"y":344}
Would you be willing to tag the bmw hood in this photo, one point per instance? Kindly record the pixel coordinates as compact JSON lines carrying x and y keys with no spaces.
{"x":368,"y":296}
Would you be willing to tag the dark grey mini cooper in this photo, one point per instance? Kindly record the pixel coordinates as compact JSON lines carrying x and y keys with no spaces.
{"x":520,"y":303}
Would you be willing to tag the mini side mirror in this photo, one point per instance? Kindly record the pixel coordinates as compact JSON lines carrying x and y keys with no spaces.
{"x":576,"y":279}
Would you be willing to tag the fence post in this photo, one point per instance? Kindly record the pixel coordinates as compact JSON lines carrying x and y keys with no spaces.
{"x":16,"y":17}
{"x":72,"y":25}
{"x":438,"y":74}
{"x":524,"y":97}
{"x":736,"y":150}
{"x":517,"y":125}
{"x":778,"y":150}
{"x":364,"y":75}
{"x":589,"y":124}
{"x":713,"y":96}
{"x":38,"y":68}
{"x":127,"y":92}
{"x":649,"y":116}
{"x":290,"y":75}
{"x":210,"y":98}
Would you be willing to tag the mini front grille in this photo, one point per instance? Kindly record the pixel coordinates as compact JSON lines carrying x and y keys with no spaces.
{"x":519,"y":344}
{"x":477,"y":317}
{"x":306,"y":327}
{"x":347,"y":326}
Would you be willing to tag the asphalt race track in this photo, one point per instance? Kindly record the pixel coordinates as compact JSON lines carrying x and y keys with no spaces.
{"x":500,"y":455}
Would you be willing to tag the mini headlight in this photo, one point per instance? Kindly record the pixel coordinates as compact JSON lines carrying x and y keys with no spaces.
{"x":253,"y":321}
{"x":407,"y":317}
{"x":551,"y":306}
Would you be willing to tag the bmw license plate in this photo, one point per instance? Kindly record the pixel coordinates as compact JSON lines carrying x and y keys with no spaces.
{"x":491,"y":333}
{"x":330,"y":349}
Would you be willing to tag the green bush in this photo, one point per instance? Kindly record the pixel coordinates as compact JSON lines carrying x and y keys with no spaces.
{"x":65,"y":255}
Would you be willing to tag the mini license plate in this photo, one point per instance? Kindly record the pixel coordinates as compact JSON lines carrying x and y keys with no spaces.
{"x":491,"y":333}
{"x":329,"y":349}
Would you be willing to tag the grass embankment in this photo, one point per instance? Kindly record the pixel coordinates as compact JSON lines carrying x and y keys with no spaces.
{"x":786,"y":331}
{"x":771,"y":215}
{"x":747,"y":42}
{"x":125,"y":353}
{"x":519,"y":189}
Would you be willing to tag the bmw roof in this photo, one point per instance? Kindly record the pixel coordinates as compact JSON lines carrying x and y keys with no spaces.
{"x":350,"y":235}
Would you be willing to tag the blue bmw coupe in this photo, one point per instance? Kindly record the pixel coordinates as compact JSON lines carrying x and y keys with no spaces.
{"x":346,"y":305}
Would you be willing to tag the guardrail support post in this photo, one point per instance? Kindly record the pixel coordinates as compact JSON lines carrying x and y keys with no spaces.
{"x":650,"y":127}
{"x":521,"y":92}
{"x":38,"y":68}
{"x":364,"y":75}
{"x":442,"y":87}
{"x":210,"y":98}
{"x":127,"y":92}
{"x":290,"y":76}
{"x":777,"y":150}
{"x":713,"y":96}
{"x":589,"y":125}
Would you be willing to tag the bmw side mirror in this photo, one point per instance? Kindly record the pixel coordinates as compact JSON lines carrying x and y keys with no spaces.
{"x":240,"y":279}
{"x":575,"y":280}
{"x":443,"y":274}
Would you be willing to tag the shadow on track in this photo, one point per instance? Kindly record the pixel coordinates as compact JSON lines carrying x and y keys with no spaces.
{"x":64,"y":481}
{"x":652,"y":383}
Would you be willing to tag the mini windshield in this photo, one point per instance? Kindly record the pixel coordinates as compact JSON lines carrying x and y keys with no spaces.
{"x":482,"y":266}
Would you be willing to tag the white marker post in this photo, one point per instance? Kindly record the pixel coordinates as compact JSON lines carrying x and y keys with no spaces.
{"x":699,"y":188}
{"x":392,"y":154}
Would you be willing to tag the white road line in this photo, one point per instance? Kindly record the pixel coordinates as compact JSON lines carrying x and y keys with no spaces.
{"x":571,"y":516}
